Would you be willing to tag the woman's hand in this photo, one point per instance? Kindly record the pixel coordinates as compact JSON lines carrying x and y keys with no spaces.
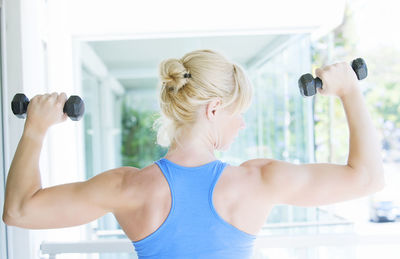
{"x":44,"y":111}
{"x":338,"y":79}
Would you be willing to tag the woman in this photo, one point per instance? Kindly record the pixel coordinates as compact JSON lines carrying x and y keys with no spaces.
{"x":189,"y":204}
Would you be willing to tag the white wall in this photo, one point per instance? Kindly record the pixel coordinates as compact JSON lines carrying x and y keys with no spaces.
{"x":123,"y":18}
{"x":12,"y":83}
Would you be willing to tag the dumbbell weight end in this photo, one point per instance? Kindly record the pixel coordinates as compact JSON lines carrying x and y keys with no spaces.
{"x":19,"y":105}
{"x":74,"y":107}
{"x":308,"y":85}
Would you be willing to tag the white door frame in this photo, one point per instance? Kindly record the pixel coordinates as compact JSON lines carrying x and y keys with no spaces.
{"x":3,"y":228}
{"x":12,"y":17}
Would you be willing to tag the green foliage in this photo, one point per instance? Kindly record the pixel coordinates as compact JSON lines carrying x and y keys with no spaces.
{"x":139,"y":147}
{"x":383,"y":96}
{"x":380,"y":91}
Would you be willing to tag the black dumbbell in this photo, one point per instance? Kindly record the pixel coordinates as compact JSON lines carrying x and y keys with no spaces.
{"x":74,"y":106}
{"x":308,"y":84}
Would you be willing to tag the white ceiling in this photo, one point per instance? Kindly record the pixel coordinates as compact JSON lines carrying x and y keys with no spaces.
{"x":134,"y":63}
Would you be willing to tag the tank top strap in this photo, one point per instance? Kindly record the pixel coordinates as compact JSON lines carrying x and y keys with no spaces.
{"x":185,"y":179}
{"x":167,"y":174}
{"x":217,"y":173}
{"x":164,"y":169}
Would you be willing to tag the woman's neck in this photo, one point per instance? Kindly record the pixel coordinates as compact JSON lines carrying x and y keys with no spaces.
{"x":191,"y":153}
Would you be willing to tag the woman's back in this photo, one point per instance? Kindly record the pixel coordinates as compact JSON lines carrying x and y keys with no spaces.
{"x":237,"y":211}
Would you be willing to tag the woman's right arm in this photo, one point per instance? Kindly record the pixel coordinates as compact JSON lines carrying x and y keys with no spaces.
{"x":320,"y":184}
{"x":28,"y":205}
{"x":77,"y":203}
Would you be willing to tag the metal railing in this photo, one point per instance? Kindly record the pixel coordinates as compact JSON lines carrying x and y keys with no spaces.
{"x":123,"y":245}
{"x":52,"y":249}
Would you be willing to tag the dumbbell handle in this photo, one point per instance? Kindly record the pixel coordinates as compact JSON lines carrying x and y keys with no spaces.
{"x":74,"y":107}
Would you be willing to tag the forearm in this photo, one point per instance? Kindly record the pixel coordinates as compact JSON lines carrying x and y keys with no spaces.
{"x":364,"y":148}
{"x":24,"y":175}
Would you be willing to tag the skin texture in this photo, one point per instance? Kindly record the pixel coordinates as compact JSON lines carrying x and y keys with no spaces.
{"x":243,"y":196}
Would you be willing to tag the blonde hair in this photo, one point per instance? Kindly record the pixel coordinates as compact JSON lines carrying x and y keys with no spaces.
{"x":211,"y":76}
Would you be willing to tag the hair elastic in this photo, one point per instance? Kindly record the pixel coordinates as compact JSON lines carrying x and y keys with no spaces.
{"x":187,"y":75}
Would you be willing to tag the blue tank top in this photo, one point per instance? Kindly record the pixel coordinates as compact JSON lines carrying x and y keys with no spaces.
{"x":193,"y":228}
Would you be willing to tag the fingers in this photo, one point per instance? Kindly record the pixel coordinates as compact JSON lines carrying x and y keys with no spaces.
{"x":54,"y":98}
{"x":334,"y":78}
{"x":47,"y":97}
{"x":35,"y":98}
{"x":318,"y":72}
{"x":321,"y":73}
{"x":51,"y":97}
{"x":61,"y":98}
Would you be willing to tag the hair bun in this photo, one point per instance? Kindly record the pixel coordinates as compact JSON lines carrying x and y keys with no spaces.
{"x":173,"y":74}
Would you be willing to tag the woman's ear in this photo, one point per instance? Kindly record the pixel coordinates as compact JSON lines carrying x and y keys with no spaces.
{"x":212,"y":108}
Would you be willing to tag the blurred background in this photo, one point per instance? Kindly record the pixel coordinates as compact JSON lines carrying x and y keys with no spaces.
{"x":108,"y":53}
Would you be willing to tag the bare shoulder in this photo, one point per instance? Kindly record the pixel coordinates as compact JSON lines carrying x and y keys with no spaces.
{"x":244,"y":185}
{"x":138,"y":184}
{"x":135,"y":177}
{"x":256,"y":163}
{"x":118,"y":176}
{"x":248,"y":175}
{"x":260,"y":172}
